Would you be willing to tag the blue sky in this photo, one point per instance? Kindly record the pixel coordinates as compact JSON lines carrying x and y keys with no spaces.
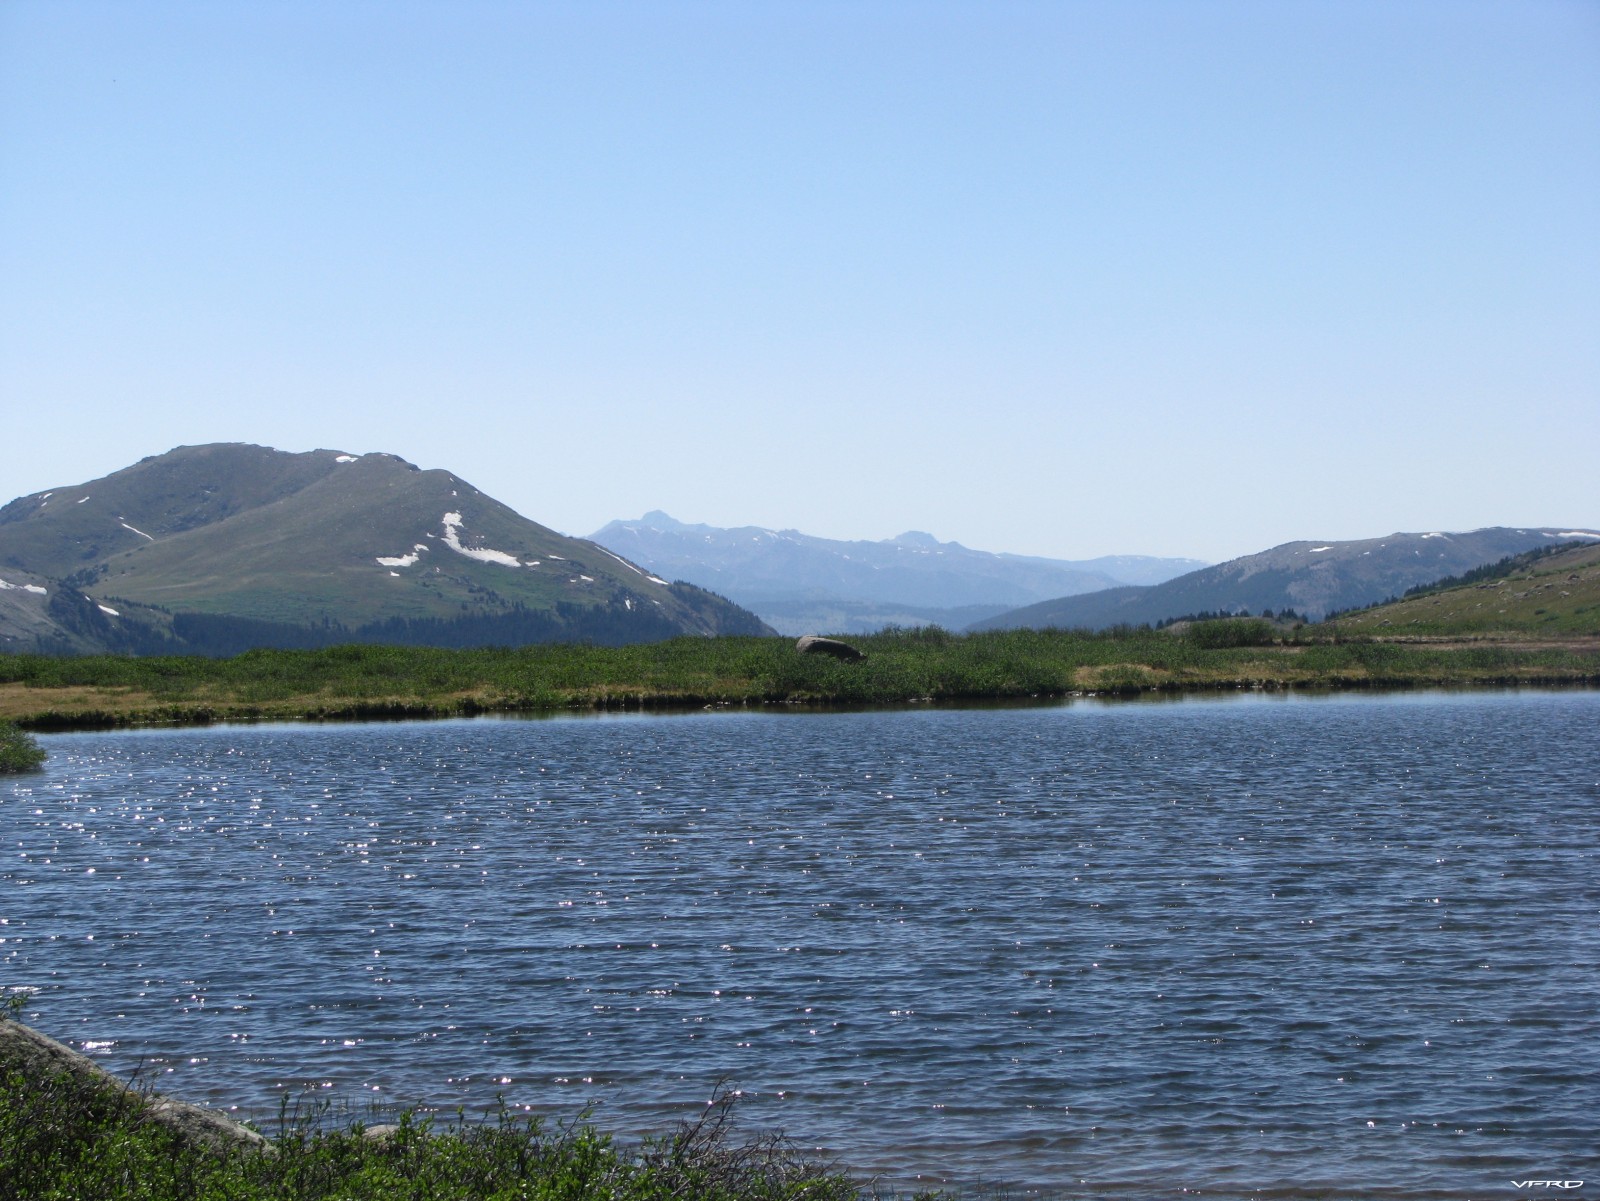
{"x":1053,"y":278}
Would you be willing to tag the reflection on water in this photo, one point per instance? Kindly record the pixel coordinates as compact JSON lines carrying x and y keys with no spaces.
{"x":1235,"y":945}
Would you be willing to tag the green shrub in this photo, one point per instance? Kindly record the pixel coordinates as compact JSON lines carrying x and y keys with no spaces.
{"x":1232,"y":631}
{"x":18,"y":751}
{"x":58,"y":1143}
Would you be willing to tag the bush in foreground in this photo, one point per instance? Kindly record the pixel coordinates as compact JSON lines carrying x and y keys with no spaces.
{"x":18,"y":751}
{"x":57,"y":1143}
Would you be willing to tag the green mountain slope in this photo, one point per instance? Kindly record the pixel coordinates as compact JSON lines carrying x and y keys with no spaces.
{"x":41,"y":613}
{"x":67,"y":529}
{"x":1311,"y":578}
{"x":345,"y":543}
{"x":1537,"y":593}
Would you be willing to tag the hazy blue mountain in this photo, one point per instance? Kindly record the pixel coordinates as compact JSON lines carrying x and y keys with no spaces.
{"x":800,"y":583}
{"x":234,"y":543}
{"x":1312,"y":578}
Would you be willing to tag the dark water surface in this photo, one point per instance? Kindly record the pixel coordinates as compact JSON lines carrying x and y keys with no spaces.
{"x":1343,"y":946}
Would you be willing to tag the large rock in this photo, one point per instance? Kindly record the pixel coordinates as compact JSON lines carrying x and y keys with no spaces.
{"x":40,"y":1059}
{"x":813,"y":645}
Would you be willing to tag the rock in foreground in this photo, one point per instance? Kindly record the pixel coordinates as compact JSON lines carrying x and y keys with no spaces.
{"x":811,"y":644}
{"x":43,"y":1063}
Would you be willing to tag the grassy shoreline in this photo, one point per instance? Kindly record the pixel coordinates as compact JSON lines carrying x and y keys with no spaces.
{"x":70,"y":1131}
{"x":910,"y":666}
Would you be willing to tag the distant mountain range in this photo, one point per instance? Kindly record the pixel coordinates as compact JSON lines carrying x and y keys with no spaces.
{"x":216,"y":549}
{"x":221,"y":547}
{"x":799,"y":583}
{"x":1311,"y":578}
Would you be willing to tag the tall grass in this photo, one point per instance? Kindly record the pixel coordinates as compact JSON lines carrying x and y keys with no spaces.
{"x":60,"y":1143}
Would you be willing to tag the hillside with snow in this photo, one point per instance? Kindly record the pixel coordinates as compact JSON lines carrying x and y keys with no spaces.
{"x":365,"y":546}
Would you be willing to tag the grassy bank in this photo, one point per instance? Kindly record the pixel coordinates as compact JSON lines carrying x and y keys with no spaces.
{"x":919,"y":665}
{"x":60,"y":1143}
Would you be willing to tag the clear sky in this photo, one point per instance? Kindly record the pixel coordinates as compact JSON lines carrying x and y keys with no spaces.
{"x":1067,"y":278}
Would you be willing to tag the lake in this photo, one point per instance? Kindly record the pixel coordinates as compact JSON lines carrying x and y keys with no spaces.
{"x":1254,"y":946}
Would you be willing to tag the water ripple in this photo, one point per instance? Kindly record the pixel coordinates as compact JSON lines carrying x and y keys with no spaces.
{"x":1256,"y":947}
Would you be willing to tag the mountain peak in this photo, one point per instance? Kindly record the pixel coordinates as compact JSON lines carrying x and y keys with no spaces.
{"x":327,"y":544}
{"x":799,"y":582}
{"x":658,"y":520}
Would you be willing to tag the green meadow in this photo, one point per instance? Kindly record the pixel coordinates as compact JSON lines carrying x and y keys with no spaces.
{"x":901,"y":666}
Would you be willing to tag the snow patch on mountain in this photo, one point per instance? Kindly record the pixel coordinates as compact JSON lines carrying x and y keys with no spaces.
{"x":452,"y":522}
{"x":34,"y":588}
{"x":126,"y":526}
{"x":403,"y":560}
{"x":654,"y":579}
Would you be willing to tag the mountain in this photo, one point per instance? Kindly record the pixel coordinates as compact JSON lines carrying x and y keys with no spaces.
{"x":305,"y":549}
{"x":1551,"y":591}
{"x":800,"y":583}
{"x":39,"y":613}
{"x":1312,"y":578}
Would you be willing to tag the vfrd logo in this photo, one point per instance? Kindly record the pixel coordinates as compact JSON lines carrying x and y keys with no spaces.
{"x":1548,"y":1183}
